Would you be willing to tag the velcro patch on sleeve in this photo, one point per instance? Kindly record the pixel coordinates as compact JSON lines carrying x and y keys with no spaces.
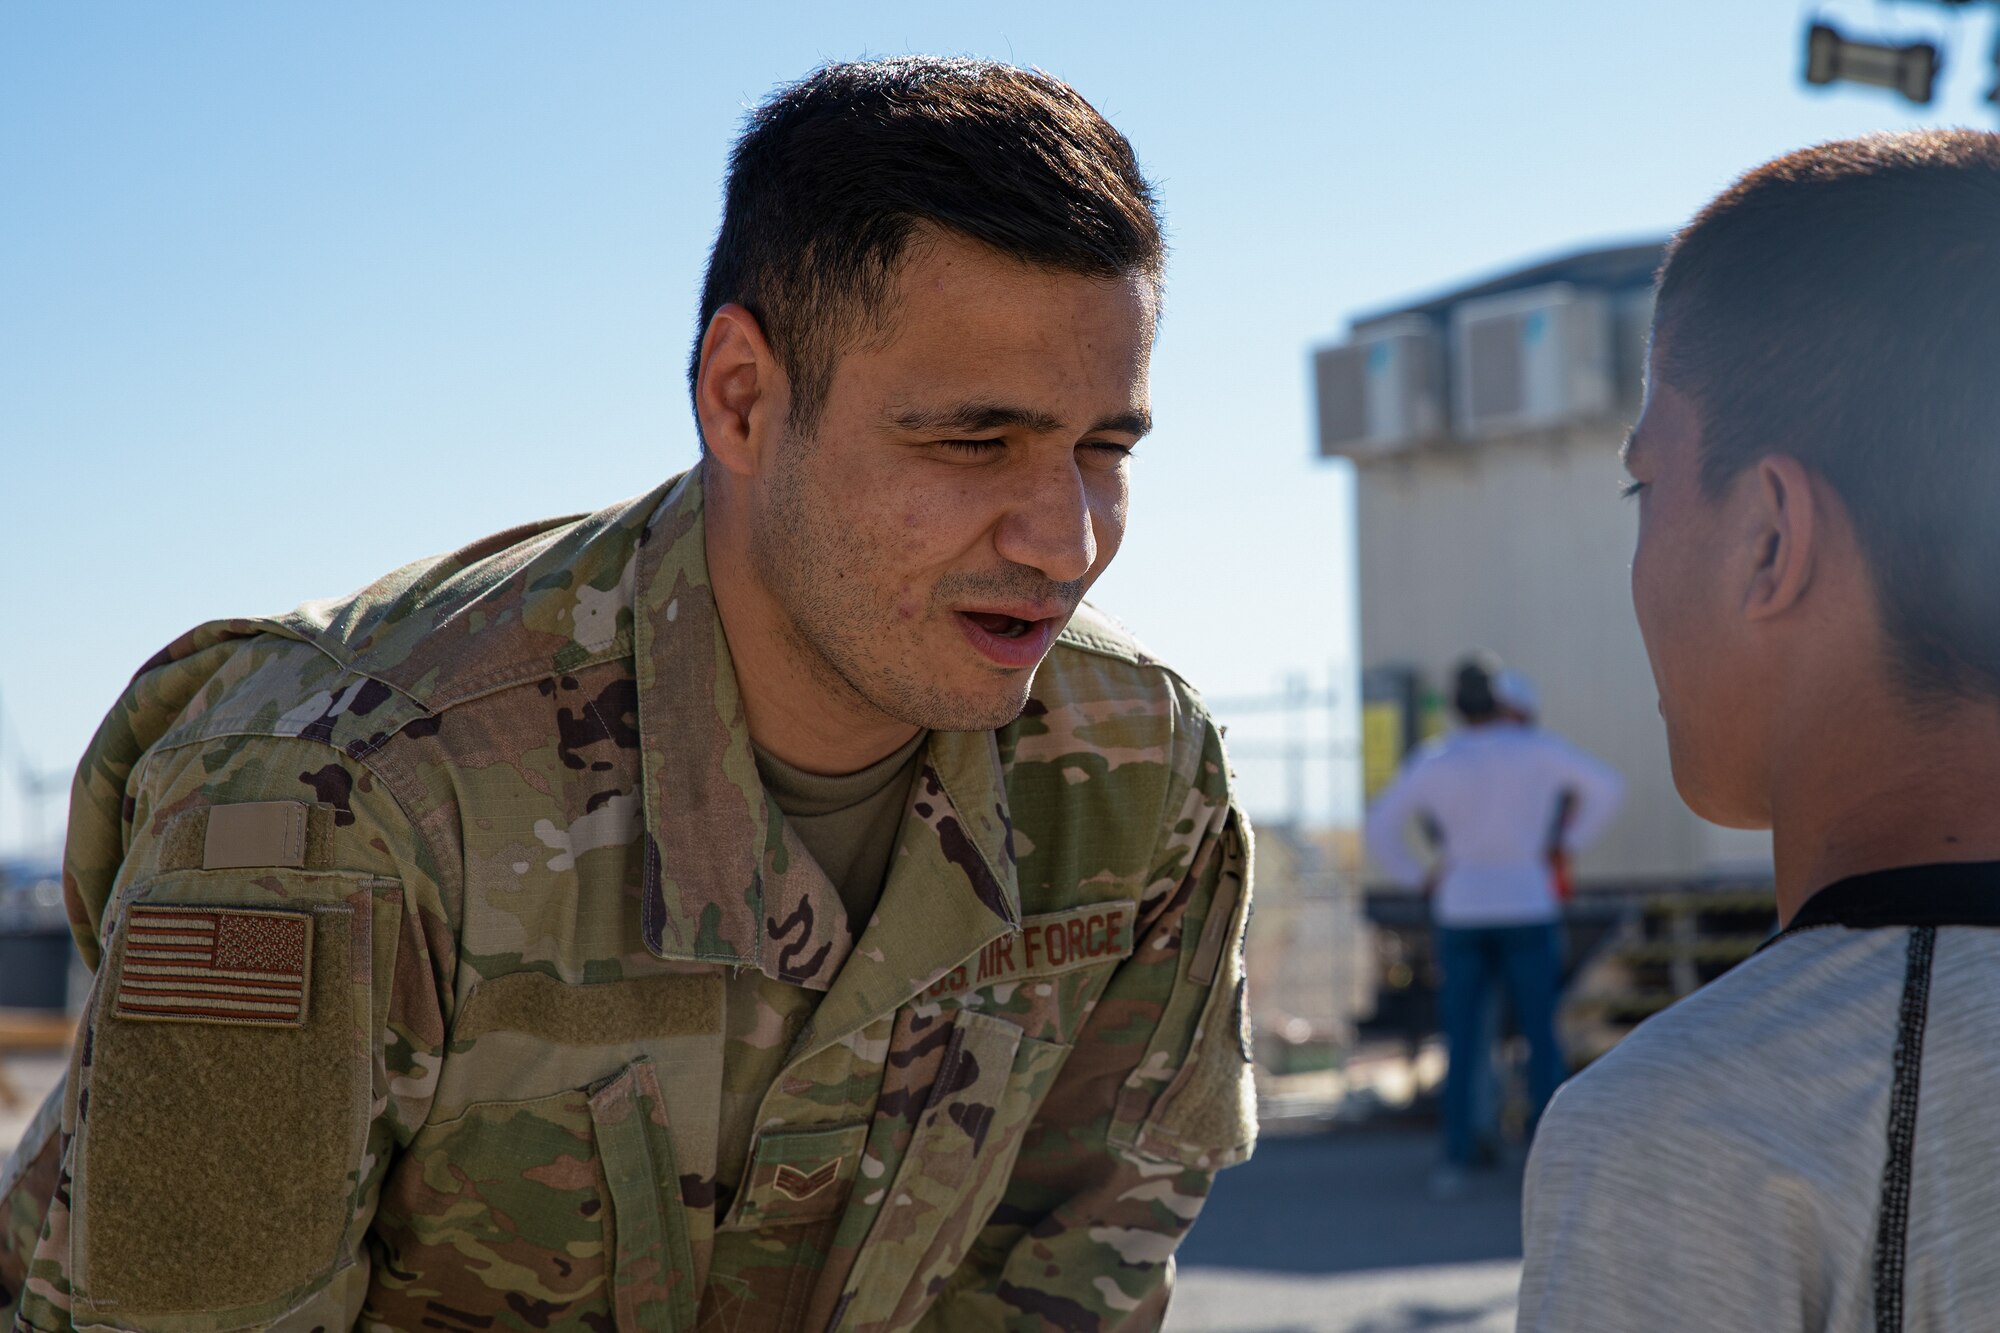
{"x":1046,"y":945}
{"x":256,"y":833}
{"x":215,"y":965}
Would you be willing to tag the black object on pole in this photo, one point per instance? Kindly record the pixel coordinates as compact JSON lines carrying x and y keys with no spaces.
{"x":1832,"y":57}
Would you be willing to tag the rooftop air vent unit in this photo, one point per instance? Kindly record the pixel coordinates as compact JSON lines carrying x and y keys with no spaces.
{"x":1381,"y":392}
{"x":1631,"y":334}
{"x":1530,"y":360}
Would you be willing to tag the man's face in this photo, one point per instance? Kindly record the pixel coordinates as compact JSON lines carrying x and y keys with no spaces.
{"x":964,"y":487}
{"x":1689,"y":618}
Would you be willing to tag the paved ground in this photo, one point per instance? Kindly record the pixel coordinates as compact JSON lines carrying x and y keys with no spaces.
{"x":1337,"y":1233}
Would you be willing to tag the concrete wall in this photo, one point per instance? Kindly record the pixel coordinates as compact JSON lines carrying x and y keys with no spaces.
{"x":1523,"y":547}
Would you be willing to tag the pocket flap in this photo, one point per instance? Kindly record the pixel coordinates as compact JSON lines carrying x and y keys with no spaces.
{"x":970,"y":1083}
{"x":653,"y":1270}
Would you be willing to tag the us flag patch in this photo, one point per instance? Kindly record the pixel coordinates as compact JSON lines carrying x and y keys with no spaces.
{"x":215,"y":965}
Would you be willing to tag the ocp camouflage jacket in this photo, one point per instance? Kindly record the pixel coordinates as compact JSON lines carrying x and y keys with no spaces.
{"x":453,"y":972}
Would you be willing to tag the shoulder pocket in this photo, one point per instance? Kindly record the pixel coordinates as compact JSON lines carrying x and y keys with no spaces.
{"x":1193,"y":1100}
{"x":223,"y":1109}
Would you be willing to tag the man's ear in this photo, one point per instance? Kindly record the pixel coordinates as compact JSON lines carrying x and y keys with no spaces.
{"x":1785,"y":535}
{"x":741,"y":394}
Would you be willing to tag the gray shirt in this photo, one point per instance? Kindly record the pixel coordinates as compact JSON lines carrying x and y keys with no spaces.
{"x":1733,"y":1165}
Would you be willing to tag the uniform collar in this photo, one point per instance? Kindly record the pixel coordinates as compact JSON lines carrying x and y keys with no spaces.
{"x":726,"y":881}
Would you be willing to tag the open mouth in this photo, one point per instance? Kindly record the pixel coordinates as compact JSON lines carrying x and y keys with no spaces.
{"x":1003,"y":626}
{"x":1010,"y":641}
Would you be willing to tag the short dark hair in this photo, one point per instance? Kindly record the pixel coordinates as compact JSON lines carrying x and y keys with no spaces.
{"x":1472,"y":688}
{"x":836,"y":174}
{"x":1842,"y":305}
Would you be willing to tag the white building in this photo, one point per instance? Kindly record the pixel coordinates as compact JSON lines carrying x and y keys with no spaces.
{"x":1484,"y":426}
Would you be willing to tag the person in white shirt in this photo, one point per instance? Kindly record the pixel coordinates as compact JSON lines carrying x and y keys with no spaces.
{"x":1809,"y":1142}
{"x":1498,"y":798}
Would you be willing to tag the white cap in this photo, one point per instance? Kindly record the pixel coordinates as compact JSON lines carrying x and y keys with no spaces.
{"x":1512,"y":690}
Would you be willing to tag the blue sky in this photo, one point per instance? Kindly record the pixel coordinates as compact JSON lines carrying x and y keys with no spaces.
{"x":291,"y":294}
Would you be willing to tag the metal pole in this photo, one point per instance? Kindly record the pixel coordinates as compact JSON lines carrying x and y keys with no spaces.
{"x":1297,"y":696}
{"x":1332,"y":744}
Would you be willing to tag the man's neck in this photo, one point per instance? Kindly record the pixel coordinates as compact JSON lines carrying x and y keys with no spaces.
{"x":1876,"y":791}
{"x":796,"y":708}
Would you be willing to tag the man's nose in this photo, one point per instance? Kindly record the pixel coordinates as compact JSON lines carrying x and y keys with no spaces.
{"x":1050,"y":526}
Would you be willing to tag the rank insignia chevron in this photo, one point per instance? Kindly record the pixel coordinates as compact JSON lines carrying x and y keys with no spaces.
{"x":799,"y":1186}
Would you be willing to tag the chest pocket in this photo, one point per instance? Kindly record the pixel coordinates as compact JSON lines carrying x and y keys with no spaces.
{"x":556,"y":1213}
{"x":961,"y":1156}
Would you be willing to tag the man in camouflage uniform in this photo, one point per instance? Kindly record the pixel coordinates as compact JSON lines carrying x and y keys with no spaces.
{"x":470,"y":952}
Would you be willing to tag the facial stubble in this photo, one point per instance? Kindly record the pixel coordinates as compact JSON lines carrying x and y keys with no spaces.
{"x":845,"y":627}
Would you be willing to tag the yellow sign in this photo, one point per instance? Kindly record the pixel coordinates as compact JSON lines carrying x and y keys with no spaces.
{"x":1381,"y":745}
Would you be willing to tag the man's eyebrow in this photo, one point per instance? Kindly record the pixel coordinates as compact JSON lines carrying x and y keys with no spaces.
{"x":974,"y":417}
{"x":970,"y":417}
{"x":1129,"y":423}
{"x":1626,"y":449}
